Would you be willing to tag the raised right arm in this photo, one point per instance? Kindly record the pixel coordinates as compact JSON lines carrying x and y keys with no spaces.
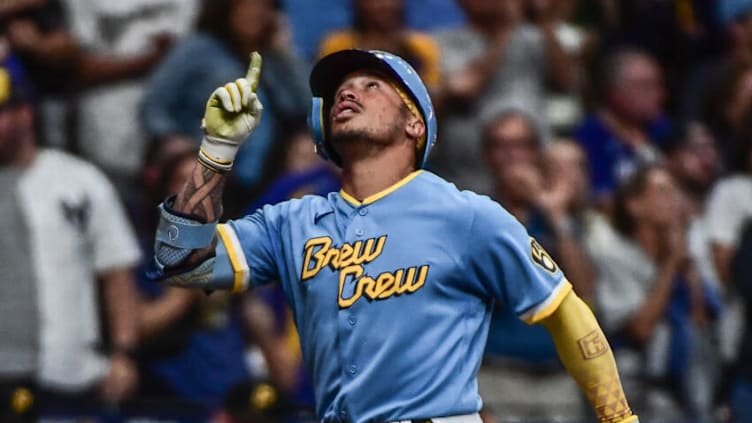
{"x":198,"y":205}
{"x":186,"y":252}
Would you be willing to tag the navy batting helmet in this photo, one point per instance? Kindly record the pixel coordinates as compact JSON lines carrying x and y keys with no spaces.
{"x":328,"y":74}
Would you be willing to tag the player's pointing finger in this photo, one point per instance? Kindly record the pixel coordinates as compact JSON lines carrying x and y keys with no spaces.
{"x":254,"y":70}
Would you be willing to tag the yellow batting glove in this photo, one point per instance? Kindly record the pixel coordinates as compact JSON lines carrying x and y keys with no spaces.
{"x":232,"y":112}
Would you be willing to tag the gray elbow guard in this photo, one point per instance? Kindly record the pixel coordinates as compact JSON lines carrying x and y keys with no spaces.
{"x":215,"y":273}
{"x":178,"y":236}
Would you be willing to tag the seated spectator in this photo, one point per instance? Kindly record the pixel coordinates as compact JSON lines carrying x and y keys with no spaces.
{"x":55,"y":261}
{"x":177,"y":92}
{"x":380,"y":25}
{"x":694,"y":160}
{"x":678,"y":34}
{"x":521,"y":359}
{"x":496,"y":60}
{"x":728,"y":212}
{"x":651,"y":301}
{"x":626,"y":129}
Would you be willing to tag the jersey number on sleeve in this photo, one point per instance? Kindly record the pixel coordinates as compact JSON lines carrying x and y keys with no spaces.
{"x":541,"y":257}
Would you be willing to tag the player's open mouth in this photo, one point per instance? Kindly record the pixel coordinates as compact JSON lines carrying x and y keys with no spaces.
{"x":345,"y":110}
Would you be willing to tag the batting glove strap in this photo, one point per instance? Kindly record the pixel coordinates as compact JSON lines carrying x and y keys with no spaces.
{"x":218,"y":153}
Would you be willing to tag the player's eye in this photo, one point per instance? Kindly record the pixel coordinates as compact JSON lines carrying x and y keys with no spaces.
{"x":372,"y":84}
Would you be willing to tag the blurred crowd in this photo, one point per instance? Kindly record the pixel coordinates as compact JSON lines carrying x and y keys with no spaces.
{"x":619,"y":132}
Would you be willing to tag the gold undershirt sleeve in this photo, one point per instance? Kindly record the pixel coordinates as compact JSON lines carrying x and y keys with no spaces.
{"x":584,"y":351}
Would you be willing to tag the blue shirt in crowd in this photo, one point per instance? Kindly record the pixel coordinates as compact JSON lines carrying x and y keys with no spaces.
{"x":611,"y":159}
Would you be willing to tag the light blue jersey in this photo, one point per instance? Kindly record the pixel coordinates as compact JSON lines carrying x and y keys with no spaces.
{"x":392,"y":297}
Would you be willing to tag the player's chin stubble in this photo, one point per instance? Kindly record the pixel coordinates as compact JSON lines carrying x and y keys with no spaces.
{"x":368,"y":136}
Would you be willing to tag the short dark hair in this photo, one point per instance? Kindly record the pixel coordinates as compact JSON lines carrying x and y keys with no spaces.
{"x":511,"y":113}
{"x":609,"y":69}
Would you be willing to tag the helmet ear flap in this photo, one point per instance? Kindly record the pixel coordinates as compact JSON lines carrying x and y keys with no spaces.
{"x":316,"y":126}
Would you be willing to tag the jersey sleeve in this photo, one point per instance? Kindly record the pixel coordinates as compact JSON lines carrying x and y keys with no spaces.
{"x":252,"y":246}
{"x":512,"y":266}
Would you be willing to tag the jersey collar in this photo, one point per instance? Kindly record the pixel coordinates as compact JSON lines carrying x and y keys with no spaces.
{"x":381,"y":194}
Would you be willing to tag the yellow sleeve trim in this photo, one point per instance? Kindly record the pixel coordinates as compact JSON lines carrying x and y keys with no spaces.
{"x":237,"y":258}
{"x":549,"y":305}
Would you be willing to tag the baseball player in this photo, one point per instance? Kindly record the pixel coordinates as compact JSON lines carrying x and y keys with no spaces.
{"x":392,"y":279}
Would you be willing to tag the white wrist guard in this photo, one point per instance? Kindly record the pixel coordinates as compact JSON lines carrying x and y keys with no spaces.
{"x":217,"y":153}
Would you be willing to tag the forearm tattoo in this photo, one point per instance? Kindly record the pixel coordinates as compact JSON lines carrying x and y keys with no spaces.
{"x":202,"y":194}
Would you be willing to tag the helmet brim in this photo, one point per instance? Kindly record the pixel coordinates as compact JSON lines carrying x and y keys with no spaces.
{"x":329,"y":72}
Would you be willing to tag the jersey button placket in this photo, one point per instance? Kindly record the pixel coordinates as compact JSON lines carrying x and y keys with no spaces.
{"x":353,"y":369}
{"x":355,"y":229}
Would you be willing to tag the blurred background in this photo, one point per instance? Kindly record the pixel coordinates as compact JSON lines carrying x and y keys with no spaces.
{"x":618,"y":132}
